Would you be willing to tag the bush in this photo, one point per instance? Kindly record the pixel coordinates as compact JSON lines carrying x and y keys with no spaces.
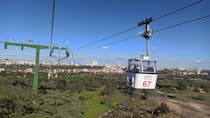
{"x":196,"y":89}
{"x":182,"y":85}
{"x":81,"y":98}
{"x":163,"y":108}
{"x":199,"y":97}
{"x":108,"y":90}
{"x":7,"y":106}
{"x":105,"y":102}
{"x":206,"y":89}
{"x":62,"y":84}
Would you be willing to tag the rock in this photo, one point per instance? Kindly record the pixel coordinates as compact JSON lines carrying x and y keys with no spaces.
{"x":157,"y":112}
{"x":110,"y":111}
{"x":120,"y":107}
{"x":105,"y":114}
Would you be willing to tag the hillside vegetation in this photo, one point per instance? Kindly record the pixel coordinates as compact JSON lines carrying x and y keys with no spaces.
{"x":107,"y":96}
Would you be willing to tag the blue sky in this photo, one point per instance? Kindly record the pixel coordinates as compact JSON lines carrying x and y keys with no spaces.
{"x":78,"y":22}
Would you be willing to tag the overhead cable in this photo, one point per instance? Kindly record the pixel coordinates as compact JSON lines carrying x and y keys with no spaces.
{"x":115,"y":42}
{"x":139,"y":24}
{"x":52,"y":25}
{"x":177,"y":10}
{"x":119,"y":41}
{"x":164,"y":28}
{"x":108,"y":37}
{"x":182,"y":23}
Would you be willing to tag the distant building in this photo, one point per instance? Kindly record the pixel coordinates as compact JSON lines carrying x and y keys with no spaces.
{"x":30,"y":42}
{"x":2,"y":70}
{"x":28,"y":70}
{"x":93,"y":63}
{"x":204,"y":73}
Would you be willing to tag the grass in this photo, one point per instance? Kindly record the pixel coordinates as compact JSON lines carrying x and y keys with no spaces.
{"x":3,"y":79}
{"x":188,"y":96}
{"x":94,"y":108}
{"x":92,"y":102}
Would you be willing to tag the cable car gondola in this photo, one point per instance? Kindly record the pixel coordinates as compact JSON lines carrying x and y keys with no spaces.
{"x":142,"y":72}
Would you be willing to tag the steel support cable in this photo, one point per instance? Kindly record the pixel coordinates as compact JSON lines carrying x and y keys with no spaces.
{"x":105,"y":38}
{"x":115,"y":42}
{"x":118,"y":41}
{"x":131,"y":28}
{"x":177,"y":10}
{"x":164,"y":28}
{"x":52,"y":25}
{"x":182,"y":23}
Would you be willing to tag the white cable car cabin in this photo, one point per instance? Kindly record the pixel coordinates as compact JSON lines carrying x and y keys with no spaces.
{"x":141,"y":73}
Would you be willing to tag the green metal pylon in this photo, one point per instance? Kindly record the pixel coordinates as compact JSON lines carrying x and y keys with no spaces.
{"x":36,"y":72}
{"x":36,"y":67}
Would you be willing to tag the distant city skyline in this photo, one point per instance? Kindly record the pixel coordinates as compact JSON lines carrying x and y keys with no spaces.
{"x":79,"y":22}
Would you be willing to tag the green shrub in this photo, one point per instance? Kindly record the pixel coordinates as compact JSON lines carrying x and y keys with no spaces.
{"x":199,"y":97}
{"x":182,"y":85}
{"x":108,"y":90}
{"x":196,"y":89}
{"x":82,"y":98}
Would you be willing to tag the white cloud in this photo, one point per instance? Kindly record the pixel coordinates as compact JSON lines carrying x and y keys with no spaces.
{"x":104,"y":47}
{"x":198,"y":61}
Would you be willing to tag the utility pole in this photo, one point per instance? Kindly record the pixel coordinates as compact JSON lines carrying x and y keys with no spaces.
{"x":37,"y":48}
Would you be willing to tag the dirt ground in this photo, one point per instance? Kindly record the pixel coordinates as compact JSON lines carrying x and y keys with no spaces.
{"x":186,"y":109}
